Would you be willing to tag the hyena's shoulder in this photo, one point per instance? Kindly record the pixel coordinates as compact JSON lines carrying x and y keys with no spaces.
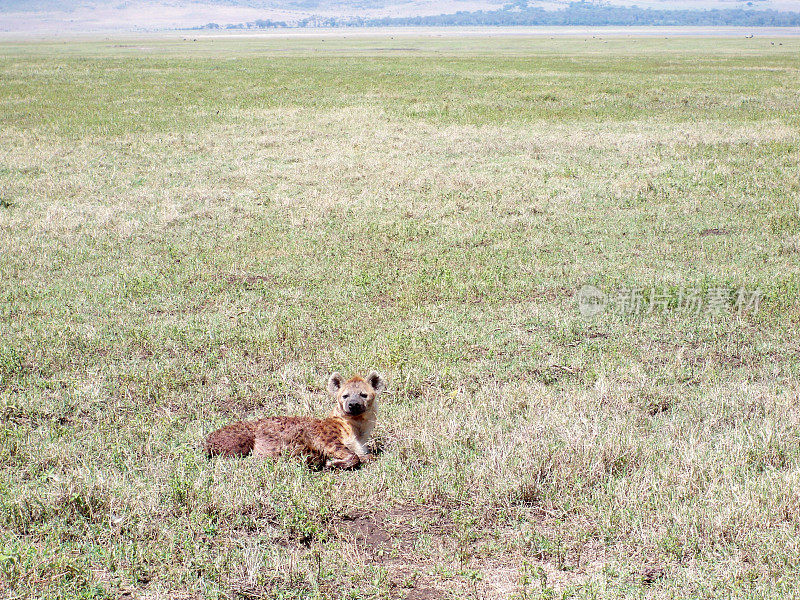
{"x":330,"y":430}
{"x":334,"y":433}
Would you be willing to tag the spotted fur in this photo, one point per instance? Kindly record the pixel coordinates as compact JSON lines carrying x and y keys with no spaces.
{"x":338,"y":441}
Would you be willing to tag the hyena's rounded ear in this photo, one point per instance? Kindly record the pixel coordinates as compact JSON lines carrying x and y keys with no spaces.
{"x":376,"y":381}
{"x":334,"y":383}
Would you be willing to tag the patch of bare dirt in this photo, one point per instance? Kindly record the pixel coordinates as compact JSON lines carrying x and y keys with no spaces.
{"x":248,"y":280}
{"x":389,"y":538}
{"x":575,"y":562}
{"x":423,"y":593}
{"x":410,"y":540}
{"x":385,"y":535}
{"x":652,"y":573}
{"x":714,"y":231}
{"x":385,"y":300}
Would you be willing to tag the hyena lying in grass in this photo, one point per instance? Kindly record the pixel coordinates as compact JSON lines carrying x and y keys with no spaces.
{"x":338,"y":441}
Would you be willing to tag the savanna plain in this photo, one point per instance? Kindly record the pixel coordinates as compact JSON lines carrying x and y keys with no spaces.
{"x":197,"y":230}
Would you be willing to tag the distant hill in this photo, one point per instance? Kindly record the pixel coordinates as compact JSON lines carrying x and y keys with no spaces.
{"x":64,"y":16}
{"x":593,"y":15}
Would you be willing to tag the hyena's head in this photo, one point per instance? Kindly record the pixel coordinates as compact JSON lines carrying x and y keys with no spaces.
{"x":357,"y":395}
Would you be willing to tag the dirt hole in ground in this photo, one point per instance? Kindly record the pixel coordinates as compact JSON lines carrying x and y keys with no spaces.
{"x":430,"y":553}
{"x":407,"y":541}
{"x":714,"y":231}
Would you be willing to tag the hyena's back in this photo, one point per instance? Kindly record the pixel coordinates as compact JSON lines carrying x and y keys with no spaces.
{"x":272,"y":436}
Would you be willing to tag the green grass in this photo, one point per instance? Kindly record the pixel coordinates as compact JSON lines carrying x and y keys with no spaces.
{"x":197,"y":232}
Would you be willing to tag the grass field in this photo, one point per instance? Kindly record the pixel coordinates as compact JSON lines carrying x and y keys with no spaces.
{"x":195,"y":232}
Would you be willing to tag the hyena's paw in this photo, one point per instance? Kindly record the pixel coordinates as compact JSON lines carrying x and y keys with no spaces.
{"x":343,"y":463}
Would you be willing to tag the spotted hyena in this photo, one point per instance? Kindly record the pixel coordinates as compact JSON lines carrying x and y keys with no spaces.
{"x":338,"y":441}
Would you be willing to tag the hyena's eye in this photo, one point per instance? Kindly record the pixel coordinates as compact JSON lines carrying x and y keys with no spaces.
{"x":363,"y":395}
{"x":346,"y":396}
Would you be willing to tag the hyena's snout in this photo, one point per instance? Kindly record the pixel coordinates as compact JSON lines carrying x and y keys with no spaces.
{"x":354,"y":404}
{"x":354,"y":407}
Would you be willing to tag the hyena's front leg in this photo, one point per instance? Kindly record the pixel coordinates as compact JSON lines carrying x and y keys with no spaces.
{"x":327,"y":441}
{"x":340,"y":456}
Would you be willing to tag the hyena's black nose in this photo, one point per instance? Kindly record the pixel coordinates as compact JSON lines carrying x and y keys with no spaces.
{"x":354,"y":408}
